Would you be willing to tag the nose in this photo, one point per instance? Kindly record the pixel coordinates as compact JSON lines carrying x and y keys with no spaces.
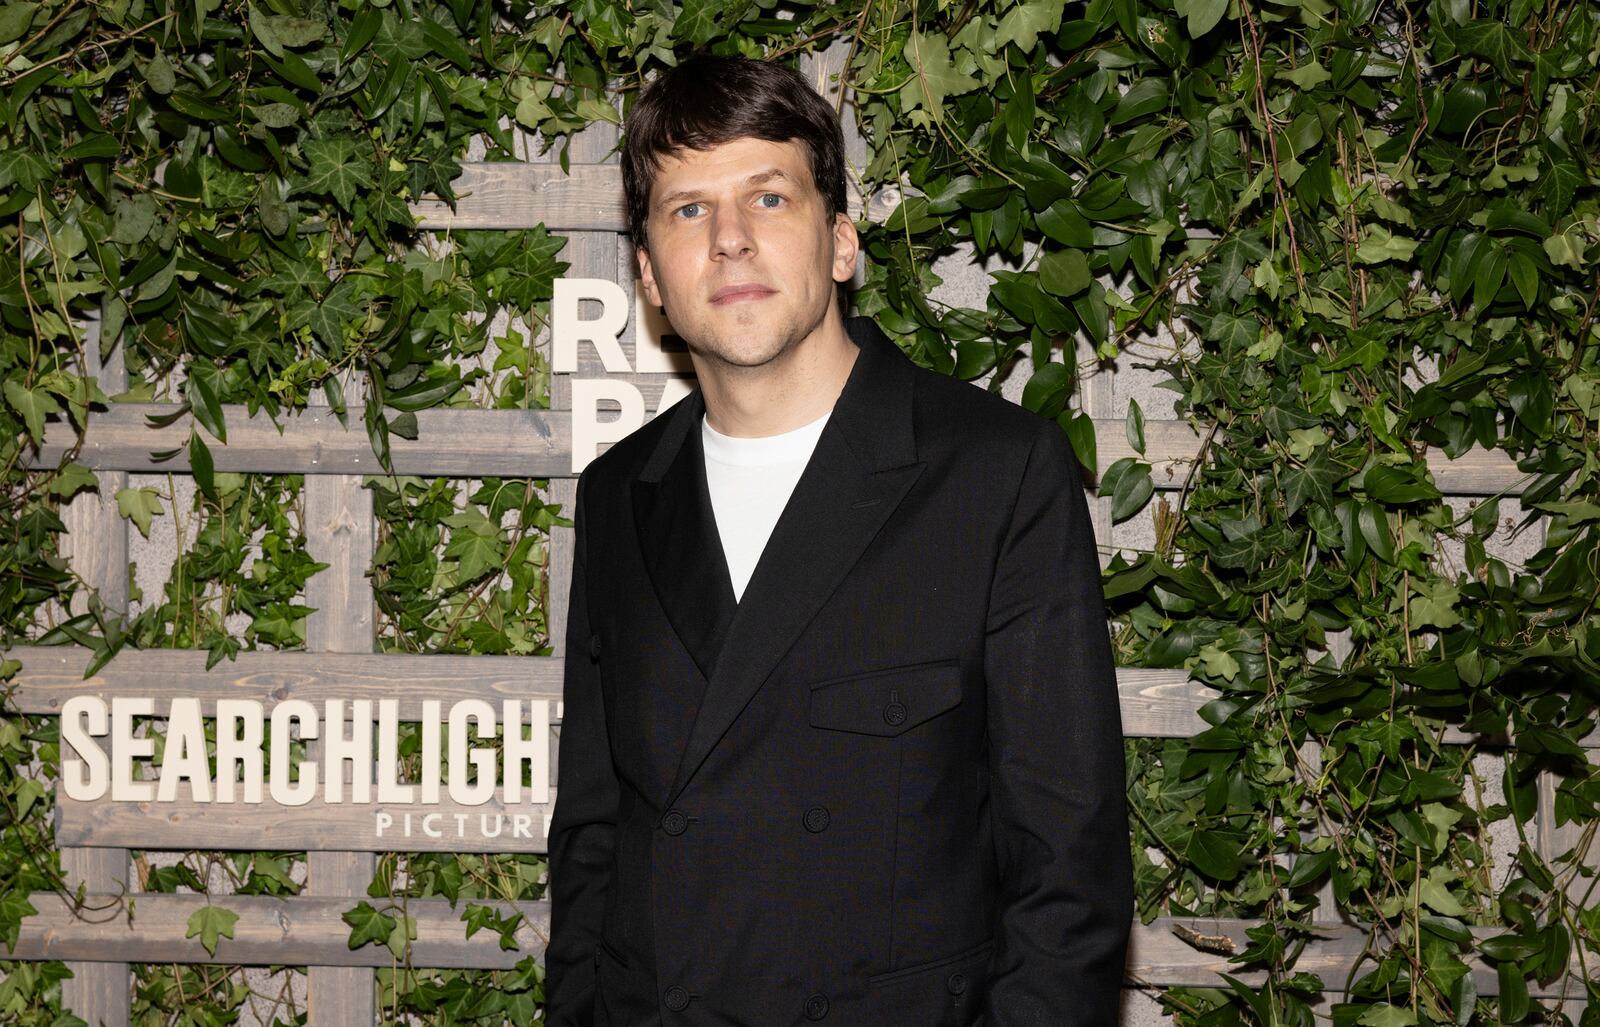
{"x":730,"y":233}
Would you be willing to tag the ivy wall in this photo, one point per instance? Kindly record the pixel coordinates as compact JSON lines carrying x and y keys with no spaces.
{"x":1342,"y":234}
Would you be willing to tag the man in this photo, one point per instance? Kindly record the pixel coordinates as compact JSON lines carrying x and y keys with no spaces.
{"x":841,"y":739}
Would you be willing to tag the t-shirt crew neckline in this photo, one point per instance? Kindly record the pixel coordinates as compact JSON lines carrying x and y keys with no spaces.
{"x":762,"y":450}
{"x":750,"y":481}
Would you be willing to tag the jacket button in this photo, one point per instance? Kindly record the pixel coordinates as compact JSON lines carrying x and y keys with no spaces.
{"x":894,"y":714}
{"x":676,"y":998}
{"x":816,"y":1007}
{"x":594,"y":647}
{"x":957,"y":983}
{"x":817,"y":819}
{"x":674,"y":823}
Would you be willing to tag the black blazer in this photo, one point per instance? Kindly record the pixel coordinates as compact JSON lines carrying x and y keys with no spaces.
{"x":886,"y":788}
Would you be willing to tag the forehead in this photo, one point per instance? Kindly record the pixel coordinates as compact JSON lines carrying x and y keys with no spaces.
{"x":730,"y":164}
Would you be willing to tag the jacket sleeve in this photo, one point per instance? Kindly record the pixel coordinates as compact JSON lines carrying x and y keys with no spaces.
{"x":583,"y":827}
{"x":1057,"y":798}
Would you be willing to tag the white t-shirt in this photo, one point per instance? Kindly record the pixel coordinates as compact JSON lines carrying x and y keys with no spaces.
{"x":750,"y":480}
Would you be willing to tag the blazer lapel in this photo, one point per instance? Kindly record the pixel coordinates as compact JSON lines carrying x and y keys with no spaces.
{"x":863,"y":466}
{"x":678,"y":538}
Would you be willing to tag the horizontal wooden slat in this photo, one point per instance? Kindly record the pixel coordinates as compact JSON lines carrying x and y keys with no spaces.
{"x":1159,"y":956}
{"x":297,"y":931}
{"x":1155,"y":703}
{"x":301,"y":930}
{"x":537,"y":443}
{"x":314,"y":827}
{"x":51,"y":675}
{"x":461,"y":443}
{"x":505,"y":195}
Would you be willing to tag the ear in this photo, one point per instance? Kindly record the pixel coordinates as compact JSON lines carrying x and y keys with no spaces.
{"x":846,"y":246}
{"x":647,"y":277}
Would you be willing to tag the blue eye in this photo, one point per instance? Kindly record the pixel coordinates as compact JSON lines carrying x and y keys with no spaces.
{"x":774,"y":197}
{"x":689,"y":210}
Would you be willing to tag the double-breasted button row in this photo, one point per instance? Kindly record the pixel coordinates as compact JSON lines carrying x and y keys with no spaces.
{"x":674,"y":822}
{"x":816,"y":1007}
{"x":676,"y":998}
{"x":816,"y":819}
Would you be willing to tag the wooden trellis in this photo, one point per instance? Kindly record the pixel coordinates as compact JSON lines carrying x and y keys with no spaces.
{"x":339,"y":663}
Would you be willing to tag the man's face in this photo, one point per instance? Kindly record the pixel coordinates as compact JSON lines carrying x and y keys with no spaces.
{"x":742,"y":253}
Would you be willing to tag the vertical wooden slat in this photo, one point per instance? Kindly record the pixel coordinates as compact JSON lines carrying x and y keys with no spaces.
{"x":1556,"y":840}
{"x":1097,"y":396}
{"x":591,"y":255}
{"x":341,"y":532}
{"x":96,"y":543}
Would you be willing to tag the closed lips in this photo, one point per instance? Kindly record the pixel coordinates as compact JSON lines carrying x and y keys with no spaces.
{"x":734,"y":293}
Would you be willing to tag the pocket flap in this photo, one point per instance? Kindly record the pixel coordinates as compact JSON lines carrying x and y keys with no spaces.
{"x":886,"y":702}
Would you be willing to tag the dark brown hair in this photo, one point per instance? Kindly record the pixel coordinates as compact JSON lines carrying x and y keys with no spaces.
{"x":707,"y":101}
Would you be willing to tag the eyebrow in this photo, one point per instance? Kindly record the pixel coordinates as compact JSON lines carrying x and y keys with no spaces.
{"x":759,"y":178}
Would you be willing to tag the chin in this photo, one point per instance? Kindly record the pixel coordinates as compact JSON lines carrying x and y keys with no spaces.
{"x":739,"y":347}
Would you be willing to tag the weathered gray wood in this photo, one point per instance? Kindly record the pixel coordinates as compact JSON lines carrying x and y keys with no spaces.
{"x":317,"y":827}
{"x":652,"y":386}
{"x":534,"y":443}
{"x":340,"y":531}
{"x":299,"y":930}
{"x":1158,"y":955}
{"x":96,"y":545}
{"x":97,"y":992}
{"x":596,"y":254}
{"x":460,"y":443}
{"x":514,"y":194}
{"x":1155,"y":703}
{"x":309,"y":930}
{"x":51,"y":675}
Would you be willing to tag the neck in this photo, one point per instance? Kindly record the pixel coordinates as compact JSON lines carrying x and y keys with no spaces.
{"x":796,"y":388}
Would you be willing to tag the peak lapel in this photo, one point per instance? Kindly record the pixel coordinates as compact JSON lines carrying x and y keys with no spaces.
{"x":678,"y":539}
{"x":863,"y":466}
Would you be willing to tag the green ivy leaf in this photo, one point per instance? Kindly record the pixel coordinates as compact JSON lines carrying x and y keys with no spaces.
{"x":201,"y":466}
{"x":1385,"y":1015}
{"x":1309,"y":76}
{"x":211,"y":923}
{"x":1378,"y":246}
{"x":72,"y":479}
{"x":23,"y":168}
{"x":140,"y":505}
{"x":1393,"y":485}
{"x":1024,"y":22}
{"x":1214,"y":854}
{"x":934,"y":75}
{"x":1065,"y":272}
{"x":368,"y":925}
{"x":132,"y":218}
{"x":14,"y":908}
{"x":15,"y":19}
{"x":1435,"y":604}
{"x":33,"y":404}
{"x":401,"y":934}
{"x":1311,"y":483}
{"x":159,"y":73}
{"x":1202,"y":15}
{"x":336,"y":169}
{"x":1435,"y":894}
{"x":277,"y":31}
{"x":1514,"y":1004}
{"x":1493,"y":39}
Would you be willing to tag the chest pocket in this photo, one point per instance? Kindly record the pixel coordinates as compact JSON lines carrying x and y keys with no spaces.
{"x":887,"y":702}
